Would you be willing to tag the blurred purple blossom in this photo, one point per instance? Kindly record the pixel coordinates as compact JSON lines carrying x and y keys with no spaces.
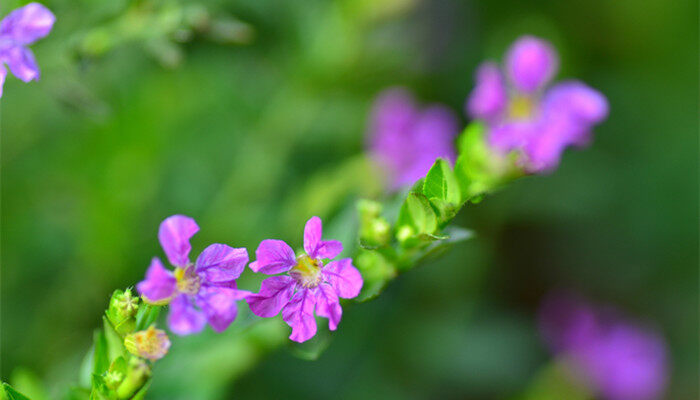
{"x":622,"y":360}
{"x":19,"y":29}
{"x":309,"y":285}
{"x":198,"y":293}
{"x":524,"y":116}
{"x":406,"y":140}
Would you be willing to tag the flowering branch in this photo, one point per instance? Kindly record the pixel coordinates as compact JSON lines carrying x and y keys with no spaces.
{"x":513,"y":135}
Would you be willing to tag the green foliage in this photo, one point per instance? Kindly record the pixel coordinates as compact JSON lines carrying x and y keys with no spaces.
{"x":12,"y":394}
{"x":557,"y":380}
{"x":146,"y":316}
{"x":417,"y":219}
{"x":376,"y":272}
{"x":443,"y":190}
{"x":478,"y":169}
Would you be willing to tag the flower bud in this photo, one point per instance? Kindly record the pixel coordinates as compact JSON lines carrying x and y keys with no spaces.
{"x":137,"y":374}
{"x":122,"y":311}
{"x":152,"y":343}
{"x":405,"y":233}
{"x":374,"y":229}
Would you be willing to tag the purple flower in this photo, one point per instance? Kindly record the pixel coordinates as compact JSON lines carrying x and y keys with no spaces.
{"x":308,"y":285}
{"x":198,"y":293}
{"x":525,"y":117}
{"x":18,"y":29}
{"x":405,"y":141}
{"x":621,"y":360}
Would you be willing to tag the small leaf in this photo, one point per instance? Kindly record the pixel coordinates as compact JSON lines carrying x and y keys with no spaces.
{"x":441,"y":183}
{"x":99,"y":389}
{"x":417,"y":213}
{"x":29,"y":383}
{"x":86,"y":367}
{"x":146,"y":316}
{"x":101,"y":355}
{"x":12,"y":394}
{"x":115,"y":342}
{"x":376,"y":271}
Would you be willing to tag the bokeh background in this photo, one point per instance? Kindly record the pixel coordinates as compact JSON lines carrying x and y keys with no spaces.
{"x":240,"y":113}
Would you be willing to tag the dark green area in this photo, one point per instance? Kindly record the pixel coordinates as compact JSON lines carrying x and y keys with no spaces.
{"x":247,"y":136}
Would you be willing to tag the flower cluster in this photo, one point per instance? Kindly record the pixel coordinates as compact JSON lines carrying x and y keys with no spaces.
{"x":406,"y":140}
{"x":621,"y":360}
{"x":19,"y":29}
{"x":206,"y":292}
{"x":524,"y":117}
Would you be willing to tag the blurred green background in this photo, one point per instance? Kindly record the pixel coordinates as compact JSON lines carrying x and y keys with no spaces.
{"x":240,"y":113}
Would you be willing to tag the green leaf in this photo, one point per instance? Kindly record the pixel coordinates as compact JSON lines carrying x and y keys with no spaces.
{"x":479,"y":169}
{"x":417,"y":214}
{"x":86,"y":367}
{"x":453,"y":234}
{"x":376,"y":271}
{"x":115,"y":342}
{"x":441,"y":183}
{"x":12,"y":394}
{"x":101,"y":355}
{"x":141,"y":394}
{"x":29,"y":383}
{"x":146,"y":316}
{"x":99,"y":389}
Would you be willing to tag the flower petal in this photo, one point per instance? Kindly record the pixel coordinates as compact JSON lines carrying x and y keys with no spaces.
{"x":160,"y":284}
{"x":272,"y":257}
{"x":488,"y":99}
{"x":174,"y":235}
{"x":184,"y":318}
{"x":3,"y":74}
{"x":511,"y":135}
{"x":274,"y":294}
{"x":219,"y":305}
{"x":27,"y":24}
{"x":531,"y":62}
{"x":221,"y":263}
{"x":312,"y":235}
{"x":329,"y":249}
{"x":299,"y":314}
{"x":343,"y":277}
{"x":22,"y":63}
{"x":328,"y":305}
{"x":314,"y":246}
{"x":578,"y":100}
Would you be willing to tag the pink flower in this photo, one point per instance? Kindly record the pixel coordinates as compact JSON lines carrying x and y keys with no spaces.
{"x":308,"y":286}
{"x":198,"y":293}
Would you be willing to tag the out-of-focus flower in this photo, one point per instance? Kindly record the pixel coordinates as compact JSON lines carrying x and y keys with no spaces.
{"x":19,"y":29}
{"x":198,"y":293}
{"x":522,"y":116}
{"x":621,"y":360}
{"x":152,"y":343}
{"x":309,"y":284}
{"x":406,"y":140}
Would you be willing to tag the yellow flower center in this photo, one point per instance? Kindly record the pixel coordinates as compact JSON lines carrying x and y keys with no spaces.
{"x":187,"y":280}
{"x":521,"y":107}
{"x":307,"y":271}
